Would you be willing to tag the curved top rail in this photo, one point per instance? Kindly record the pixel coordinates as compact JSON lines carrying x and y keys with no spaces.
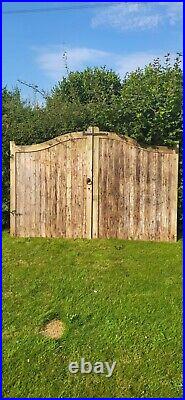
{"x":94,"y":131}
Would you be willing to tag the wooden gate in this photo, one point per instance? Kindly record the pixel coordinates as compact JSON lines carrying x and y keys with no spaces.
{"x":94,"y":184}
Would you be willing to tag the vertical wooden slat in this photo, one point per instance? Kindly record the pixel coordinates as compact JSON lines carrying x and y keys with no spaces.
{"x":109,"y":185}
{"x":33,"y":204}
{"x":80,"y":197}
{"x":117,"y":149}
{"x":42,"y":193}
{"x":19,"y":193}
{"x":174,"y":195}
{"x":105,"y":165}
{"x":25,"y":190}
{"x":12,"y":189}
{"x":28,"y":176}
{"x":127,"y":191}
{"x":68,"y":191}
{"x":95,"y":204}
{"x":47,"y":194}
{"x":63,"y":204}
{"x":170,"y":188}
{"x":53,"y":190}
{"x":74,"y":189}
{"x":89,"y":146}
{"x":58,"y":184}
{"x":24,"y":203}
{"x":84,"y":188}
{"x":25,"y":177}
{"x":147,"y":197}
{"x":121,"y":193}
{"x":142,"y":199}
{"x":114,"y":190}
{"x":77,"y":189}
{"x":80,"y":188}
{"x":137,"y":194}
{"x":24,"y":174}
{"x":61,"y":183}
{"x":132,"y":180}
{"x":101,"y":189}
{"x":165,"y":198}
{"x":152,"y":196}
{"x":159,"y":190}
{"x":37,"y":195}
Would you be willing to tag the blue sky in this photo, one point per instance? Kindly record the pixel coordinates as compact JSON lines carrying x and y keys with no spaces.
{"x":122,"y":36}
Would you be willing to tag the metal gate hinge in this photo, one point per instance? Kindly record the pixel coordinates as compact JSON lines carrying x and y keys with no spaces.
{"x":13,"y":212}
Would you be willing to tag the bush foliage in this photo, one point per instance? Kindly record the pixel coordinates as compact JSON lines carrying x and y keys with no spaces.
{"x":146,"y":105}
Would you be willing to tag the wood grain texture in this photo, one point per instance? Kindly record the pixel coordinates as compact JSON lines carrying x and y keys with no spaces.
{"x":95,"y":188}
{"x":94,"y":184}
{"x":138,"y":190}
{"x":89,"y":149}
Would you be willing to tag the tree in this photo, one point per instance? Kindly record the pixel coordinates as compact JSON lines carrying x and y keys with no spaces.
{"x":150,"y":105}
{"x":82,"y":99}
{"x":21,"y":123}
{"x":147,"y":106}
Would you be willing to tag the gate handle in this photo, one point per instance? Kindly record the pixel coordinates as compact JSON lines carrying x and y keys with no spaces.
{"x":89,"y":181}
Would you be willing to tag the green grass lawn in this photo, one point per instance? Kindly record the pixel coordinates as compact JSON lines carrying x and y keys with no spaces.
{"x":120,"y":301}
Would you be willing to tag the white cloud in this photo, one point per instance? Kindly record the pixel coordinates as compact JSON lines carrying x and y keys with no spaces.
{"x":52,"y":63}
{"x":136,"y":60}
{"x":133,"y":61}
{"x":138,"y":16}
{"x":174,"y":13}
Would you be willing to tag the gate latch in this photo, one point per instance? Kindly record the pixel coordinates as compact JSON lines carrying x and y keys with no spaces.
{"x":89,"y":181}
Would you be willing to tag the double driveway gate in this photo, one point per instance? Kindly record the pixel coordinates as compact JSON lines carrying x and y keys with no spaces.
{"x":94,"y":184}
